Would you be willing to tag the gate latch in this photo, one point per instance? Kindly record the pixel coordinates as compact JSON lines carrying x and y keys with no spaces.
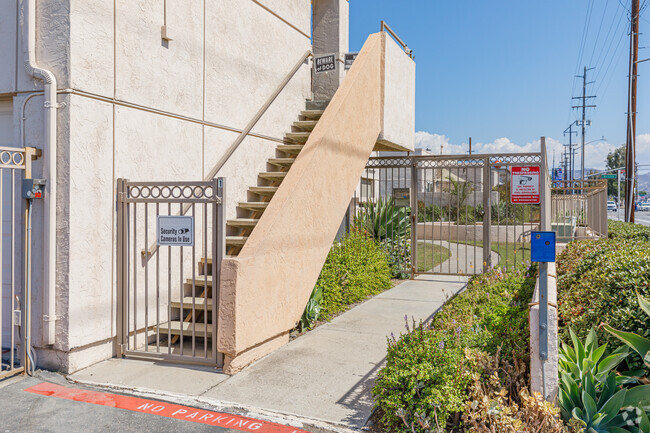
{"x":33,"y":188}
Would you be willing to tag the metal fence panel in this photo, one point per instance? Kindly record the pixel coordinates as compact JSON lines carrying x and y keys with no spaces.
{"x":170,"y":246}
{"x":15,"y":253}
{"x":453,"y":212}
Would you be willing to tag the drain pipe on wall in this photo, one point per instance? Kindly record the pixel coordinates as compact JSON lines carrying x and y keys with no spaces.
{"x":28,"y":25}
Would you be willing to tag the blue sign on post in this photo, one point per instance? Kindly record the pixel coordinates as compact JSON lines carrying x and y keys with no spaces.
{"x":542,"y":247}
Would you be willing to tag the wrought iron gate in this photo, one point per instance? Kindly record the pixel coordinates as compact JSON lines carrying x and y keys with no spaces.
{"x":169,"y":251}
{"x":447,"y":214}
{"x":15,"y":260}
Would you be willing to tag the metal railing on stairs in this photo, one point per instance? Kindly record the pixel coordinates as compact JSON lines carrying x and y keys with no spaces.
{"x":242,"y":135}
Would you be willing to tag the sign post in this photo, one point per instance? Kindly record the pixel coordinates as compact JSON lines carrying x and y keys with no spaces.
{"x":525,"y":185}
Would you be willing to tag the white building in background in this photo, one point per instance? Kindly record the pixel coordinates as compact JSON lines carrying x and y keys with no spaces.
{"x":155,"y":90}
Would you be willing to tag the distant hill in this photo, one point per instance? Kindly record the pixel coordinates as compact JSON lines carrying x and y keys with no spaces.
{"x":644,"y":182}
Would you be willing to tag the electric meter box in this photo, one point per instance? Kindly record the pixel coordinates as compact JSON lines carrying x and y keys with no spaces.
{"x":542,"y":247}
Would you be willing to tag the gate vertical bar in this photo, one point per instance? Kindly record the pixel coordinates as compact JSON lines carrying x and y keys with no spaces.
{"x":121,"y":267}
{"x":219,"y":247}
{"x":414,"y":218}
{"x":487,"y":215}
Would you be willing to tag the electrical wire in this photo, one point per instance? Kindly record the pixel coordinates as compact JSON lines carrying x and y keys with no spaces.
{"x":600,"y":26}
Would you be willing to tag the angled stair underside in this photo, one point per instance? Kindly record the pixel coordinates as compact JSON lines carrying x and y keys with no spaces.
{"x":277,"y":247}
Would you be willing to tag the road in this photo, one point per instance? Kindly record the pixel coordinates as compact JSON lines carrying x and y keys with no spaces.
{"x":639,"y":217}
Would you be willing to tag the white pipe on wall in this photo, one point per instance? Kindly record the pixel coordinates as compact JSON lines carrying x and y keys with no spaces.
{"x":28,"y":26}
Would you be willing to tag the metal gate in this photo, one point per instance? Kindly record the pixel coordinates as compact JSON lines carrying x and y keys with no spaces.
{"x":15,"y":258}
{"x":169,"y":250}
{"x":447,"y":214}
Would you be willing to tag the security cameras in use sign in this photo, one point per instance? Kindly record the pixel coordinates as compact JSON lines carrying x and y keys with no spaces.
{"x":524,"y":186}
{"x":325,"y":63}
{"x":175,"y":231}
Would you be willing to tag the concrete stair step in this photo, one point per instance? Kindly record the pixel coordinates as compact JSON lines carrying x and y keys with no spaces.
{"x":293,"y":149}
{"x":263,"y":190}
{"x":282,"y":162}
{"x":254,"y":205}
{"x":174,"y":327}
{"x":199,"y":302}
{"x":312,"y":114}
{"x":297,"y":137}
{"x":236,"y":241}
{"x":273,"y":175}
{"x":243,"y":223}
{"x":201,"y":280}
{"x":305,"y":125}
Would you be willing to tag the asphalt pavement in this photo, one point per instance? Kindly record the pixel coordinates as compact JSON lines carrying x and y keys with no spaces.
{"x":48,"y":403}
{"x":640,"y":217}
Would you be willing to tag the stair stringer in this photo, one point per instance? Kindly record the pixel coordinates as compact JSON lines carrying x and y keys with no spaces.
{"x":264,"y":289}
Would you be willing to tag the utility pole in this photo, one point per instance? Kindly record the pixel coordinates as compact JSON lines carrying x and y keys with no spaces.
{"x":583,"y":123}
{"x":630,"y":150}
{"x":470,"y":145}
{"x":570,"y":152}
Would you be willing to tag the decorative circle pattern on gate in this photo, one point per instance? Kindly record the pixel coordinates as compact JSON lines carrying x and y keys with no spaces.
{"x":179,"y":192}
{"x":12,"y":158}
{"x":450,"y":163}
{"x":515,"y":159}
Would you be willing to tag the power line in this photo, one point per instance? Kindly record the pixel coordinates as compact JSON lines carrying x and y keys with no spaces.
{"x":585,"y":31}
{"x":602,"y":19}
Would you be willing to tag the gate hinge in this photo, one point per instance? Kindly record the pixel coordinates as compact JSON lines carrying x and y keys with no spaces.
{"x":120,"y":197}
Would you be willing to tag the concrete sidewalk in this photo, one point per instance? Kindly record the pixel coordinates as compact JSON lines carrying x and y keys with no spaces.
{"x":324,"y":375}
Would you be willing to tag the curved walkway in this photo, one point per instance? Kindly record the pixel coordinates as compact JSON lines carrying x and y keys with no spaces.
{"x":464,"y":259}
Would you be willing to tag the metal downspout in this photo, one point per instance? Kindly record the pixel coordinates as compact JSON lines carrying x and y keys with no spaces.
{"x":28,"y":26}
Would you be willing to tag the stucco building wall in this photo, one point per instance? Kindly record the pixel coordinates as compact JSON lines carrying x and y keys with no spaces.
{"x":125,"y":88}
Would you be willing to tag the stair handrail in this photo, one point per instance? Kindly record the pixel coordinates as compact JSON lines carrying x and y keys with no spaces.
{"x":240,"y":138}
{"x":384,"y":28}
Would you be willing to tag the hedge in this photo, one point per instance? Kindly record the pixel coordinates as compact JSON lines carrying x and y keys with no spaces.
{"x":429,"y":368}
{"x":356,"y":268}
{"x":598,"y":281}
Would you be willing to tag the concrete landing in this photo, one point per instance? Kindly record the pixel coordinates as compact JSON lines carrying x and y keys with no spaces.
{"x":325,"y":375}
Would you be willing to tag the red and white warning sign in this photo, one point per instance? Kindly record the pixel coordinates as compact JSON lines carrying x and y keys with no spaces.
{"x":524,"y":187}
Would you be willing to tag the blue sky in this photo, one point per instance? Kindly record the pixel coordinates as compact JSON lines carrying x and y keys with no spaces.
{"x":502,"y":71}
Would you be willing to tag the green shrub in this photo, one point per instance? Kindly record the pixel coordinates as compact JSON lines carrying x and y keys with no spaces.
{"x":623,"y":230}
{"x":356,"y":268}
{"x":597,"y":282}
{"x":429,"y":370}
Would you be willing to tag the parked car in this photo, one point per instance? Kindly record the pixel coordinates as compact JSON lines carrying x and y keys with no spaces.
{"x":644,"y":206}
{"x":611,"y":206}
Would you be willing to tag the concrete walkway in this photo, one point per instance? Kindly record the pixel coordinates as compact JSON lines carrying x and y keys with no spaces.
{"x":324,"y":375}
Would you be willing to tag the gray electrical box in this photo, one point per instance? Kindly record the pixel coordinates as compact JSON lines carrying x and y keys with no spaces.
{"x":33,"y":188}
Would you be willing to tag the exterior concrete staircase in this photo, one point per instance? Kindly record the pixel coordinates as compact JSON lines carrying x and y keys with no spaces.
{"x":237,"y":233}
{"x":239,"y":229}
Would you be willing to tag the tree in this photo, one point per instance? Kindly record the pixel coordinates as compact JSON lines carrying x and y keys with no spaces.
{"x":615,"y":159}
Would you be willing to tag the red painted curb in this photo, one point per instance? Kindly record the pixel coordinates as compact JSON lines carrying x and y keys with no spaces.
{"x":168,"y":410}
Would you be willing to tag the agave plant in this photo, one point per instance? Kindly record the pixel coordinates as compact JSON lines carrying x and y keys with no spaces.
{"x":383,"y":220}
{"x":312,"y":310}
{"x":638,"y":343}
{"x":592,"y":393}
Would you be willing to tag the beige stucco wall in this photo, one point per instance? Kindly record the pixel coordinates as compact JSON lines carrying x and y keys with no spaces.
{"x":264,"y":289}
{"x":398,"y":117}
{"x":225,"y":60}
